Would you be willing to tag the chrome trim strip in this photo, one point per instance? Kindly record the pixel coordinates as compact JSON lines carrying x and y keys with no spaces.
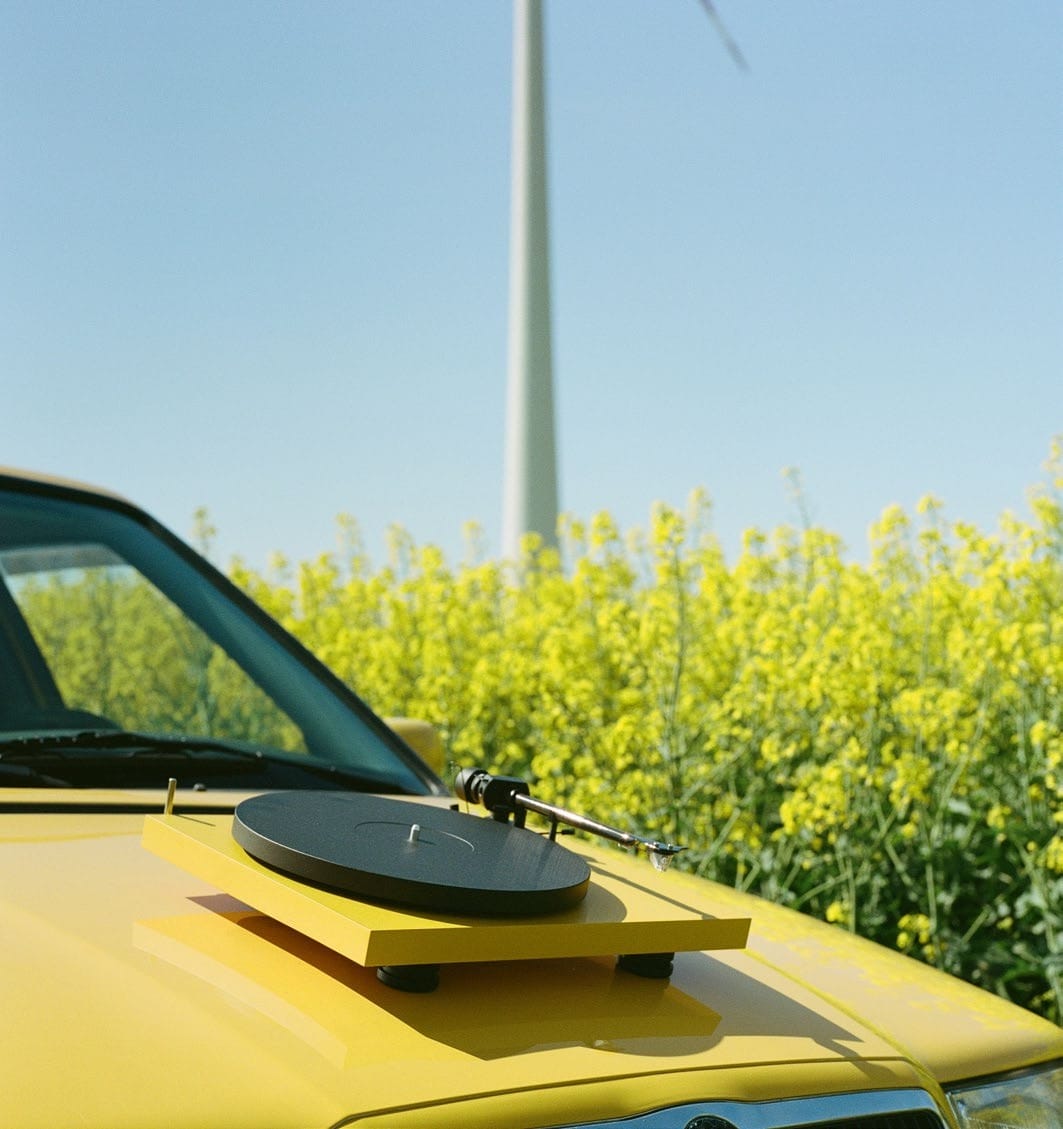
{"x":782,"y":1114}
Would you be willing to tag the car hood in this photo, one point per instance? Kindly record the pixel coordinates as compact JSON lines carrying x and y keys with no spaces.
{"x":135,"y":993}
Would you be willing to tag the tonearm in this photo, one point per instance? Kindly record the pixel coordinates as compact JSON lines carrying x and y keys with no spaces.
{"x":506,"y":796}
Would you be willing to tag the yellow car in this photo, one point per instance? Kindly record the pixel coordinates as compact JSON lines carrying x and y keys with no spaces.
{"x":232,"y":896}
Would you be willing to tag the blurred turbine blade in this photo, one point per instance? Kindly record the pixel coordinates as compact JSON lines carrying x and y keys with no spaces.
{"x":733,"y":49}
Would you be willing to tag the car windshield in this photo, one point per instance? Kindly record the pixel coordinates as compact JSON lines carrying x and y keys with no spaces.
{"x":124,"y":660}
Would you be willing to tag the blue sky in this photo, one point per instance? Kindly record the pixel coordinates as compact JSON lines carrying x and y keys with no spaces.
{"x":253,"y":256}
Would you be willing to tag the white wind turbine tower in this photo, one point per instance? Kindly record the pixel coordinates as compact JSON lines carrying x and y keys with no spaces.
{"x":530,"y":487}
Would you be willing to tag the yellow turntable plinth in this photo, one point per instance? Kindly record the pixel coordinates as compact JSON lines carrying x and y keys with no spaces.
{"x":619,"y":915}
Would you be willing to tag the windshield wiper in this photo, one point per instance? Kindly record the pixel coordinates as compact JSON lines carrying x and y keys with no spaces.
{"x":106,"y":751}
{"x":119,"y":740}
{"x":23,"y":776}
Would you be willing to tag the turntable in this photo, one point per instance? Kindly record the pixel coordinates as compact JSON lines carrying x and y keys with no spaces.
{"x":406,"y":886}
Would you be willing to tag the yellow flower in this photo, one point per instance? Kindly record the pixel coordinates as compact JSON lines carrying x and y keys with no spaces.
{"x":997,"y":817}
{"x":912,"y":927}
{"x":837,"y":913}
{"x":1054,"y":854}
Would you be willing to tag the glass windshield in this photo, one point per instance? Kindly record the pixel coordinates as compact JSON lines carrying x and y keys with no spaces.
{"x":105,"y":626}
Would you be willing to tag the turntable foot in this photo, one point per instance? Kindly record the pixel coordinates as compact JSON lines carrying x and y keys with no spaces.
{"x":653,"y":966}
{"x":409,"y":977}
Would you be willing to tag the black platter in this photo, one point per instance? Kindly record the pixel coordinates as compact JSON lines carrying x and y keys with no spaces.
{"x":410,"y":854}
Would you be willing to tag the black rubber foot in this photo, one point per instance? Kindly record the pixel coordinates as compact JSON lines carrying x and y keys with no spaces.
{"x":653,"y":966}
{"x":409,"y":977}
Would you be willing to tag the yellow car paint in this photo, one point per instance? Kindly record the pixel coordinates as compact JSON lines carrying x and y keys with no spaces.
{"x":138,"y":988}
